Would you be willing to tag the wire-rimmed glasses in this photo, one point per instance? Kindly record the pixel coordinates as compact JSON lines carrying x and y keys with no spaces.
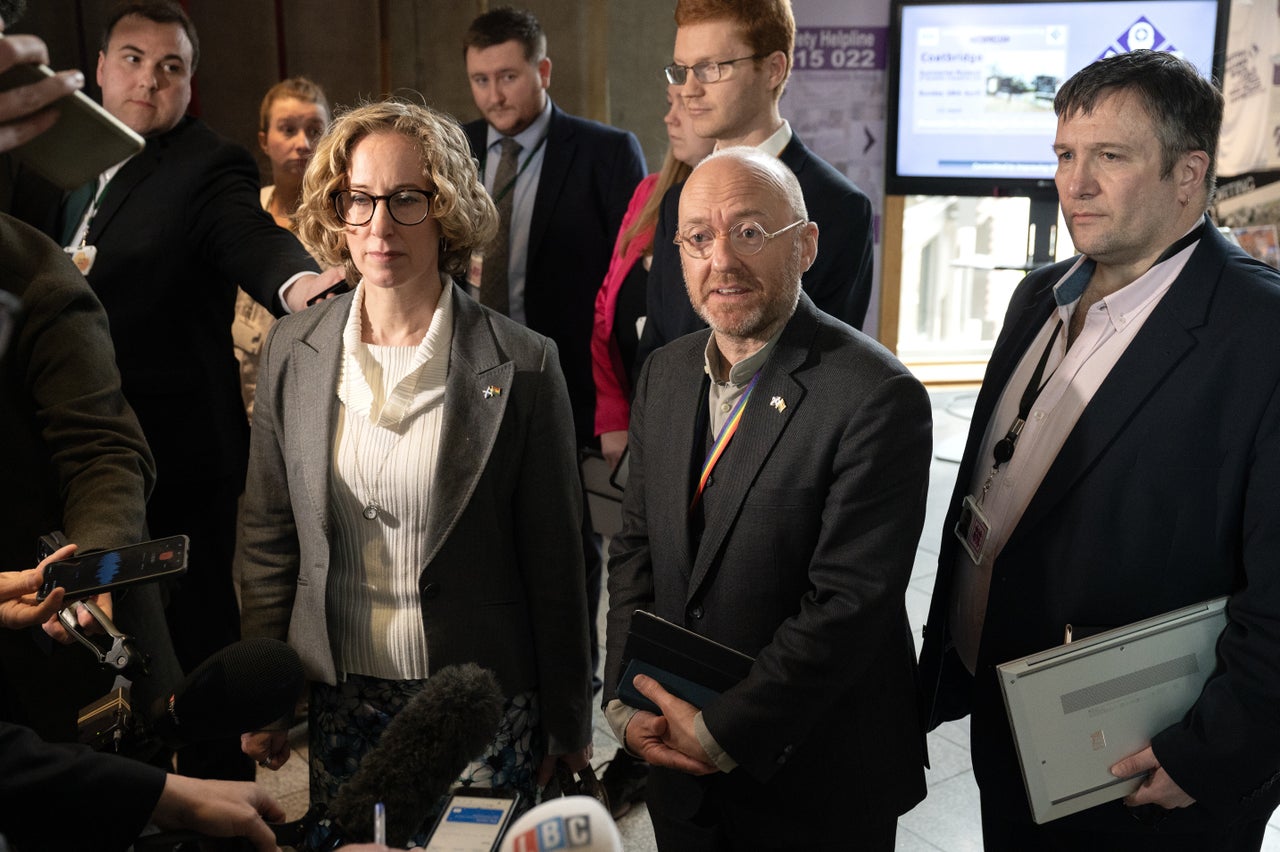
{"x":703,"y":72}
{"x":745,"y":238}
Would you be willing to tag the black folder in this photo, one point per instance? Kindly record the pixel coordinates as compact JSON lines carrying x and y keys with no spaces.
{"x":689,"y":666}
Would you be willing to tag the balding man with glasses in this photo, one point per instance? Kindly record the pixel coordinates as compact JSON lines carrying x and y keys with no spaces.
{"x":730,"y":64}
{"x":779,"y":464}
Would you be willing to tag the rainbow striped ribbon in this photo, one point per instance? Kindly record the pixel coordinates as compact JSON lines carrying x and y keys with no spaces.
{"x":722,"y":440}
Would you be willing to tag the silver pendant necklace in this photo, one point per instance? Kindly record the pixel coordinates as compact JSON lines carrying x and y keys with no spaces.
{"x":372,"y":508}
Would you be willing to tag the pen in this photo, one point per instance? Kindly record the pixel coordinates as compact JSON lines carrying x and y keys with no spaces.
{"x":380,"y":824}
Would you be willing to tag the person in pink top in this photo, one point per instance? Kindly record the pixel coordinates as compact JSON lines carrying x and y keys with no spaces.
{"x":621,"y":299}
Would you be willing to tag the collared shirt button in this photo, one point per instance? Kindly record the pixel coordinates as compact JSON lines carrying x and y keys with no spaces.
{"x":724,"y":406}
{"x":696,"y":612}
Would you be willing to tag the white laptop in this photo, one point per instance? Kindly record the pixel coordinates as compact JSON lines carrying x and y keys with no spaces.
{"x":1079,"y":708}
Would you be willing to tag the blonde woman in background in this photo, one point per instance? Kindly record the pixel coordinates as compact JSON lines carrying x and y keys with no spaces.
{"x":293,"y":116}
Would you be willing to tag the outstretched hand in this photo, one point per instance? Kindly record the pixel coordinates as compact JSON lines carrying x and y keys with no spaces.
{"x":219,"y":809}
{"x":18,"y":605}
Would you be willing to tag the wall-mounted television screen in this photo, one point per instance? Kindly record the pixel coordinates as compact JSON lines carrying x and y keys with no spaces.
{"x":971,"y":86}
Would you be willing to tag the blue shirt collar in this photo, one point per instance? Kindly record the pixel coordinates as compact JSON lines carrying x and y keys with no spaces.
{"x":528,"y":137}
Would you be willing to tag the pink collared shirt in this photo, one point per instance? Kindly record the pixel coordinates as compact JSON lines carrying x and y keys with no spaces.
{"x":1074,"y":376}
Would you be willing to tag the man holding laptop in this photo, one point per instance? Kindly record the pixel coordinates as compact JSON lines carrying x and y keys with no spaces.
{"x":1124,"y":461}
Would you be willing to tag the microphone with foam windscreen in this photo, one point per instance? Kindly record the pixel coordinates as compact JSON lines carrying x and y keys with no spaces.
{"x":415,"y":762}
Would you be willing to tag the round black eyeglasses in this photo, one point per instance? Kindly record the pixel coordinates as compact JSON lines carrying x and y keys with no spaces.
{"x":407,"y":206}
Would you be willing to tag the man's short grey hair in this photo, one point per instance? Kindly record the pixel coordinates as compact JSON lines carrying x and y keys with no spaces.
{"x":769,"y":168}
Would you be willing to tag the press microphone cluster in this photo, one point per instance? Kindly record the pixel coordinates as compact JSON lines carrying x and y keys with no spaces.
{"x":242,"y":687}
{"x":415,"y":762}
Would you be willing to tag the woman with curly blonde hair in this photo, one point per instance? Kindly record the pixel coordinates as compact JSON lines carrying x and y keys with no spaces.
{"x":413,"y":498}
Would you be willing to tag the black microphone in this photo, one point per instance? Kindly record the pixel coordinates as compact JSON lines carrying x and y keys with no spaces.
{"x":415,"y":762}
{"x":244,"y":686}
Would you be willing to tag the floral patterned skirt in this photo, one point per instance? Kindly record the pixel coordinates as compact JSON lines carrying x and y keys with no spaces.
{"x":345,"y":722}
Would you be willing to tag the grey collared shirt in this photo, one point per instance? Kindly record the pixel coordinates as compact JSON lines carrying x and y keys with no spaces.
{"x":723,"y":396}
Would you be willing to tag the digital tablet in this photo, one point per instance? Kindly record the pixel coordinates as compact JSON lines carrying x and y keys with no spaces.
{"x":85,"y":141}
{"x":691,"y":667}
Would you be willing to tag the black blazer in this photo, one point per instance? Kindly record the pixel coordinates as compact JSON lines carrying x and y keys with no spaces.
{"x":179,"y":227}
{"x":1164,"y":494}
{"x":589,"y":171}
{"x":839,"y":281}
{"x":811,"y":525}
{"x":74,"y":459}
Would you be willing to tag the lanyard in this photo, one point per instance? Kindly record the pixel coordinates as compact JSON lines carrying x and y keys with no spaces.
{"x":502,"y":193}
{"x":1003,"y":450}
{"x":722,"y":440}
{"x":1005,"y":447}
{"x":93,"y":211}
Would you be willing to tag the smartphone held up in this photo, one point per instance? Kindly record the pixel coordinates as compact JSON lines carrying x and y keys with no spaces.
{"x":87,"y":574}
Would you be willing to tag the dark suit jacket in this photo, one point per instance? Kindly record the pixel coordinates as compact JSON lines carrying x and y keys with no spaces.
{"x":179,"y":227}
{"x":839,"y":281}
{"x":67,"y":798}
{"x":74,"y":460}
{"x":503,"y":587}
{"x":589,"y":171}
{"x":812,"y":519}
{"x":73,"y":453}
{"x":1166,"y":493}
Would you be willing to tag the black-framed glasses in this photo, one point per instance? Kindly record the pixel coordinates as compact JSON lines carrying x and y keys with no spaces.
{"x":745,"y":238}
{"x":704,"y":72}
{"x":407,"y":206}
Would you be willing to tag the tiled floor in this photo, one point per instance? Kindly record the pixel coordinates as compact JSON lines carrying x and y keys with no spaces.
{"x":947,"y":820}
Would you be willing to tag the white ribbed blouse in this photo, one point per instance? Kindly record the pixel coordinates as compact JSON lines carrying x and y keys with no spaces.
{"x":384,"y":455}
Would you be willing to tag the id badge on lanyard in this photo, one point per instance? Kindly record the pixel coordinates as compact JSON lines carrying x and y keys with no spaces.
{"x":83,"y":257}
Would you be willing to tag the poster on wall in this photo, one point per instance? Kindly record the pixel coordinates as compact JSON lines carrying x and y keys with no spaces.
{"x":835,"y":99}
{"x":1248,"y":200}
{"x":1251,"y":87}
{"x":1248,"y":197}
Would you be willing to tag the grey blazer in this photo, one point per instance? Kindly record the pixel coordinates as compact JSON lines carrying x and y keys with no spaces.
{"x":503,"y":586}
